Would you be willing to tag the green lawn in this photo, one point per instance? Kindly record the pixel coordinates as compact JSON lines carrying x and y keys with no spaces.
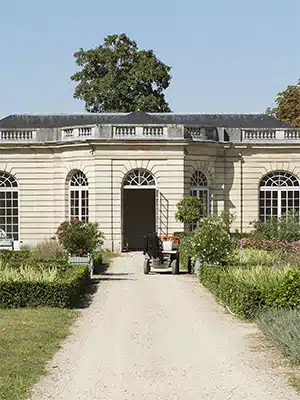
{"x":29,"y":338}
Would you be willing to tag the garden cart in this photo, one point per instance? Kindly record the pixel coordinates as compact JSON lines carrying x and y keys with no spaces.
{"x":161,"y":252}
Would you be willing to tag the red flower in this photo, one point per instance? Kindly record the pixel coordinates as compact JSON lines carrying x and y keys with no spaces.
{"x":80,"y":250}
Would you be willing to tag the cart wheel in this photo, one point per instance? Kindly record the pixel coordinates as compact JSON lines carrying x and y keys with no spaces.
{"x":146,"y":266}
{"x":175,"y":266}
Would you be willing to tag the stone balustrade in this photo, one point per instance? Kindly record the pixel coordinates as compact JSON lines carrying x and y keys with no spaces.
{"x":17,"y":135}
{"x":77,"y":132}
{"x":270,"y":135}
{"x":147,"y":132}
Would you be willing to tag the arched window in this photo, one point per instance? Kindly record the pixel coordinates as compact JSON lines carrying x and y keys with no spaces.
{"x":79,"y":196}
{"x":199,"y":187}
{"x":139,"y":177}
{"x":9,"y":205}
{"x":278,"y":193}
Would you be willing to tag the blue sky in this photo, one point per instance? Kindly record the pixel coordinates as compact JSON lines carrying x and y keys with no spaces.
{"x":226,"y":56}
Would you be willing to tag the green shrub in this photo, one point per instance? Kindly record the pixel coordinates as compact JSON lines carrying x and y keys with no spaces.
{"x":190,"y":210}
{"x":285,"y":228}
{"x":252,"y":257}
{"x":15,"y":257}
{"x":211,"y":242}
{"x":79,"y":238}
{"x":49,"y":249}
{"x":63,"y":291}
{"x":282,"y":327}
{"x":243,"y":298}
{"x":247,"y":290}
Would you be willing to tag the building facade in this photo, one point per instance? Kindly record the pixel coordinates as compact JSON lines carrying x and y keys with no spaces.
{"x":128,"y":171}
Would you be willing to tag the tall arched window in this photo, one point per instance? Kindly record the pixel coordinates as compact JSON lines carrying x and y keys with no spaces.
{"x":79,"y":196}
{"x":278,"y":193}
{"x":9,"y":205}
{"x":199,"y":187}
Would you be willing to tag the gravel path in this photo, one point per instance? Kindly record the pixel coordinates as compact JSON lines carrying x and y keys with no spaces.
{"x":159,"y":337}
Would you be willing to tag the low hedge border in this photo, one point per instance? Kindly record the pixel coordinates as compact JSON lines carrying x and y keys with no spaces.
{"x":246,"y":299}
{"x":63,"y":292}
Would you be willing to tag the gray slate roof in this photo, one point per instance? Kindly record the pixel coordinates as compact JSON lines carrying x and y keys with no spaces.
{"x":139,"y":117}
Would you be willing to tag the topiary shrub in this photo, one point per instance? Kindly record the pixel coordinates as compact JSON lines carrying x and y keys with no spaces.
{"x":190,"y":210}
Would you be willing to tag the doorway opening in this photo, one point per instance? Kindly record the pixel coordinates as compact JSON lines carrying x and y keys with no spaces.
{"x":138,"y":208}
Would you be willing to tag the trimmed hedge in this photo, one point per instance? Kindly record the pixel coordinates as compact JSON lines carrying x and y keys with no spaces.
{"x":63,"y":292}
{"x":248,"y":298}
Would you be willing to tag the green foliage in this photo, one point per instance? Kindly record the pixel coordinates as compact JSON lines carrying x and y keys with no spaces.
{"x":185,"y":248}
{"x":246,"y":291}
{"x":282,"y":327}
{"x":16,"y":259}
{"x":28,"y":273}
{"x":211,"y":242}
{"x":49,"y":249}
{"x":118,"y":77}
{"x":190,"y":210}
{"x":286,"y":228}
{"x":79,"y":238}
{"x":252,"y":257}
{"x":62,"y":291}
{"x":242,"y":297}
{"x":287,"y":107}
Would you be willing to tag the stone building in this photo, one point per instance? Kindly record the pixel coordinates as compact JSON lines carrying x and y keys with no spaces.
{"x":128,"y":171}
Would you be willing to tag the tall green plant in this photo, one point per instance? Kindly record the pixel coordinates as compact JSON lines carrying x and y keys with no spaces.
{"x":190,"y":210}
{"x":286,"y":228}
{"x":79,"y":238}
{"x":211,"y":241}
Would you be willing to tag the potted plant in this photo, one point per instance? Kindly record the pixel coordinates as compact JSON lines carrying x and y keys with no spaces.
{"x":79,"y":240}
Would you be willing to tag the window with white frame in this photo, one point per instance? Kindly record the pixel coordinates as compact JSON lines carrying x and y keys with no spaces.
{"x":79,"y":196}
{"x":139,"y":177}
{"x":199,"y":187}
{"x":279,"y":193}
{"x":9,"y":205}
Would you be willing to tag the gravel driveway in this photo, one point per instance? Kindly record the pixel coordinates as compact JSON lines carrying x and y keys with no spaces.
{"x":159,"y":336}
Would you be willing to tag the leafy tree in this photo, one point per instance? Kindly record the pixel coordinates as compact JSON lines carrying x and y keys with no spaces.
{"x":288,"y":106}
{"x":190,"y":210}
{"x":118,"y":77}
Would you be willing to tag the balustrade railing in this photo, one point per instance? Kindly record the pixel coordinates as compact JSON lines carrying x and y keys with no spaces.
{"x":258,"y":134}
{"x":293,"y":135}
{"x":269,"y":135}
{"x":21,"y":135}
{"x":74,"y":132}
{"x":153,"y":130}
{"x":124,"y":130}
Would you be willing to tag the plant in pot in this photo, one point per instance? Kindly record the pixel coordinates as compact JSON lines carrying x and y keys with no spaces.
{"x":79,"y":239}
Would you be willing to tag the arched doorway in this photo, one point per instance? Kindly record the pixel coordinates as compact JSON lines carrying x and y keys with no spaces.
{"x":139,"y":210}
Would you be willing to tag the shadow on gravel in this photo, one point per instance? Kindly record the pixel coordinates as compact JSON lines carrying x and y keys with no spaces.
{"x":111,"y":278}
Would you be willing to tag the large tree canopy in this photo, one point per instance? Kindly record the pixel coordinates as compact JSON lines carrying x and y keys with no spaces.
{"x":287,"y":107}
{"x":118,"y":77}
